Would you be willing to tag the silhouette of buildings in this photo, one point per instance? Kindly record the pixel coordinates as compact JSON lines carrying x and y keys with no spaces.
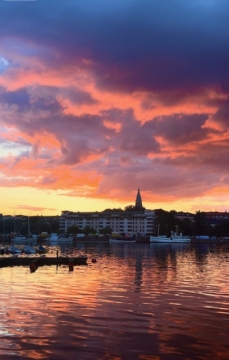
{"x":136,"y":221}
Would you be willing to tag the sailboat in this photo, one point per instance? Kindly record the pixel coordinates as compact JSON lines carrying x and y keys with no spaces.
{"x":2,"y":250}
{"x":28,"y":249}
{"x":18,"y":238}
{"x":14,"y":250}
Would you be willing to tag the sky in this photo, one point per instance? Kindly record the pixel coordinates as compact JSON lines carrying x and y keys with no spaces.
{"x":100,"y":98}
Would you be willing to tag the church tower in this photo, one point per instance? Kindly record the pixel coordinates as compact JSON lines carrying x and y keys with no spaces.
{"x":138,"y":202}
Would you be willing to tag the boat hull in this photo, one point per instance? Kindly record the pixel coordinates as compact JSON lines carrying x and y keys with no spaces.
{"x":111,"y":241}
{"x":57,"y":239}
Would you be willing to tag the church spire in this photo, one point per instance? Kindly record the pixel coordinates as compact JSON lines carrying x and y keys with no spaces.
{"x":138,"y":202}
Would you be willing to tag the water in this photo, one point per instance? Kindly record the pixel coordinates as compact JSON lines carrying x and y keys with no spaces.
{"x":138,"y":301}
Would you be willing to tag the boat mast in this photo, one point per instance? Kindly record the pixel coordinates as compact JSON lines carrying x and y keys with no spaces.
{"x":3,"y":227}
{"x":14,"y":225}
{"x":158,"y":227}
{"x":28,"y":228}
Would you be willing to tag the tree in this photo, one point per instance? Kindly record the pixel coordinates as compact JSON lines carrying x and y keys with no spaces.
{"x":200,"y":220}
{"x":89,"y":230}
{"x":73,"y":229}
{"x":106,"y":230}
{"x":132,"y":208}
{"x":167,"y":221}
{"x":113,"y":210}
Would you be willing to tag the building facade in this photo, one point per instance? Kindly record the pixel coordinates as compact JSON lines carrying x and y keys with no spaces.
{"x":135,"y":222}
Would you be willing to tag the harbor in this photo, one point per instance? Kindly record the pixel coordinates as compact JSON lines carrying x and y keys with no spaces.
{"x":156,"y":294}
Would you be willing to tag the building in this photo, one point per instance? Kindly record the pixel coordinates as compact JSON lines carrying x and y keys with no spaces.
{"x":136,"y":221}
{"x":214,"y":218}
{"x":185,"y":216}
{"x":138,"y":202}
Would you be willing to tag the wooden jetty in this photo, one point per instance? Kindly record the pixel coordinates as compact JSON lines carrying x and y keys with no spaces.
{"x":35,"y":262}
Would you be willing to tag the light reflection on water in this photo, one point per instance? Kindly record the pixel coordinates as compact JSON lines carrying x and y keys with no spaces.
{"x":138,"y":301}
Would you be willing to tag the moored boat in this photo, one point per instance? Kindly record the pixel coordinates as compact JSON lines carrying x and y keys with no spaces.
{"x":174,"y":238}
{"x":19,"y":239}
{"x":42,"y":250}
{"x":28,"y":250}
{"x":64,"y":239}
{"x":13,"y":250}
{"x":55,"y":238}
{"x":171,"y":240}
{"x":122,"y":240}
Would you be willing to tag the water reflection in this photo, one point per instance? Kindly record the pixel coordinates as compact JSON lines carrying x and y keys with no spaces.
{"x":138,"y":301}
{"x":138,"y":272}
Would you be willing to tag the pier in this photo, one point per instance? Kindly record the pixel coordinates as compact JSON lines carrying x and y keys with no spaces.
{"x":41,"y":261}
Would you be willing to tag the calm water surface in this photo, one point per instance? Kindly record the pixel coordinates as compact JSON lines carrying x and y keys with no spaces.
{"x":138,"y":301}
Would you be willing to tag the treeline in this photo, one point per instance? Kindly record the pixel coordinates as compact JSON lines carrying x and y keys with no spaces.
{"x":198,"y":225}
{"x":128,"y":208}
{"x":35,"y":224}
{"x":88,"y":230}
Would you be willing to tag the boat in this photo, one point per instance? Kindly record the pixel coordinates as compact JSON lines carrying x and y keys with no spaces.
{"x":65,"y":239}
{"x":42,"y":250}
{"x":28,"y":250}
{"x":122,"y":240}
{"x":19,"y":239}
{"x":13,"y":250}
{"x":55,"y":238}
{"x":174,"y":238}
{"x":111,"y":241}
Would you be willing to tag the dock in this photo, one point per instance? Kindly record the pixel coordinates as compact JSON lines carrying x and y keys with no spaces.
{"x":42,"y":261}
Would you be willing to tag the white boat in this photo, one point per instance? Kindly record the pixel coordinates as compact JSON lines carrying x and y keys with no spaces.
{"x":54,"y":238}
{"x":174,"y":238}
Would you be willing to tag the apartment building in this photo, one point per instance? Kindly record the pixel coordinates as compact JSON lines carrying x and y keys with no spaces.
{"x":136,"y":221}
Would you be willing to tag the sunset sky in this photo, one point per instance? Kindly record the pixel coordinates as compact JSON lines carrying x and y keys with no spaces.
{"x":99,"y":98}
